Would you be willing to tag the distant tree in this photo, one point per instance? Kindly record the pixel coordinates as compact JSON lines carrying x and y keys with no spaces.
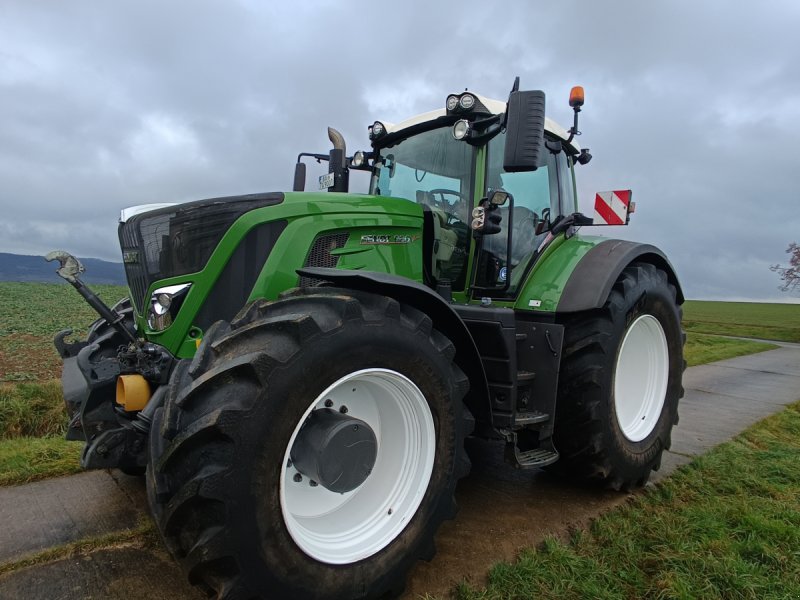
{"x":790,"y":275}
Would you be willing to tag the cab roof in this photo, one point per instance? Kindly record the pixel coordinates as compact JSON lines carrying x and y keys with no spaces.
{"x":496,"y":107}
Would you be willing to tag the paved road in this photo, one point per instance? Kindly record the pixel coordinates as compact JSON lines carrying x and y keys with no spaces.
{"x":502,"y":509}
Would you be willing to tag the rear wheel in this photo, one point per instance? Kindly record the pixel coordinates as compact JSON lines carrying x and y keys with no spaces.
{"x":311,"y":448}
{"x":620,"y":382}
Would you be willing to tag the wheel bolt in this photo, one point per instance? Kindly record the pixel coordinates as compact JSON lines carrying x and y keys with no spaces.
{"x":312,"y":483}
{"x":328,"y":403}
{"x":343,"y":409}
{"x":298,"y":478}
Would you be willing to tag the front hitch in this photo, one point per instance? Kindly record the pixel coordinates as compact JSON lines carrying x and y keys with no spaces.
{"x":115,"y":431}
{"x":70,"y":270}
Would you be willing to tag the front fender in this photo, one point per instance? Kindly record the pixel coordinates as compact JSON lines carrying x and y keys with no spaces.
{"x":444,"y":318}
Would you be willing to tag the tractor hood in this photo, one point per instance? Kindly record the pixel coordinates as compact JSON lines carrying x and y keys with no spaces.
{"x":167,"y":240}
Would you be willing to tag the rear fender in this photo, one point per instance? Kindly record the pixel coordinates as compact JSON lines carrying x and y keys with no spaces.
{"x":590,"y":283}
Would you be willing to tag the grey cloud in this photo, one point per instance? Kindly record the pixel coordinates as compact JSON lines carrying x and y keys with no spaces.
{"x":693,"y":105}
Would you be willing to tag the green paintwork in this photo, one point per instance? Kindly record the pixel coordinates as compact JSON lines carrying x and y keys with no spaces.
{"x":546,"y":280}
{"x":307,"y":215}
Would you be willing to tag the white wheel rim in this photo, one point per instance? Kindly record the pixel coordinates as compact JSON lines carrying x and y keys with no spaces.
{"x":344,"y":528}
{"x":640,"y":378}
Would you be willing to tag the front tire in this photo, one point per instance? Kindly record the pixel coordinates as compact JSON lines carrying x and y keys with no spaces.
{"x":620,"y":382}
{"x":236,"y":510}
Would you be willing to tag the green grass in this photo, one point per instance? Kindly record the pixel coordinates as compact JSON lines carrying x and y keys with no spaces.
{"x":32,"y":425}
{"x":32,"y":409}
{"x":42,"y":309}
{"x":725,"y":526}
{"x":701,"y":349}
{"x":26,"y":459}
{"x":747,"y":319}
{"x":31,"y":314}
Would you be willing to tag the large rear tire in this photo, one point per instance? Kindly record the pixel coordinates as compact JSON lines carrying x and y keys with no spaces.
{"x":620,"y":382}
{"x":232,"y":504}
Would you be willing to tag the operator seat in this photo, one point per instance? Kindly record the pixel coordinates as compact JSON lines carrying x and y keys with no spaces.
{"x":523,"y":237}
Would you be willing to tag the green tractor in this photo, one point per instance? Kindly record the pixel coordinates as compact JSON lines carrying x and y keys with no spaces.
{"x":296,"y":373}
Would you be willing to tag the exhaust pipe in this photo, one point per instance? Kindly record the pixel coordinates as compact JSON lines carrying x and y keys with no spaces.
{"x":337,"y":139}
{"x":337,"y":162}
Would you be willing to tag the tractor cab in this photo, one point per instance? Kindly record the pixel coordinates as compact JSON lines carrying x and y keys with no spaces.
{"x":452,"y":160}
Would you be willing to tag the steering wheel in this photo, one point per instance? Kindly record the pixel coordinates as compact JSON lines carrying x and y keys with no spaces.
{"x":523,"y":216}
{"x":454,"y":210}
{"x":445,"y":192}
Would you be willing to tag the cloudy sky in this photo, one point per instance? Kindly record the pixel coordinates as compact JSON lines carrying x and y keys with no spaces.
{"x":694,"y":105}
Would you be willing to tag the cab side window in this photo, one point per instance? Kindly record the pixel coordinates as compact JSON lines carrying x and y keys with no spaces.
{"x":566,"y":183}
{"x":536,"y":202}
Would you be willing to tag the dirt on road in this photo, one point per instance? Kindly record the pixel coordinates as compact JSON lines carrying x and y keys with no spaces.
{"x":502,"y":511}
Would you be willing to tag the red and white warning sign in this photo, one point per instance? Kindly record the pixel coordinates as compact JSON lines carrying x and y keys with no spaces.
{"x":612,"y":208}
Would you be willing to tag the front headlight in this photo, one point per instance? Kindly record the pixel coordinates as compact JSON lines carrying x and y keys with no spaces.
{"x":164,"y":305}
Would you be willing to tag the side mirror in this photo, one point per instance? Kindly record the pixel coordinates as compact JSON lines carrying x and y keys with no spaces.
{"x":299,"y":177}
{"x":485,"y":218}
{"x":524,"y":131}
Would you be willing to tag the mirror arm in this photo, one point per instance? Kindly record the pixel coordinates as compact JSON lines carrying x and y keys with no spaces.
{"x":573,"y":131}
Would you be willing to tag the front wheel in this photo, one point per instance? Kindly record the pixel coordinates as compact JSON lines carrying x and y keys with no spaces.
{"x":311,"y":448}
{"x":620,"y":382}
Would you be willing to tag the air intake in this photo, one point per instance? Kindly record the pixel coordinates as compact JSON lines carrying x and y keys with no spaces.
{"x":320,"y":255}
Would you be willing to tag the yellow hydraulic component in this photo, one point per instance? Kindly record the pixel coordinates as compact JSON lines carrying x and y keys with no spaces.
{"x":197,"y":342}
{"x":133,"y":392}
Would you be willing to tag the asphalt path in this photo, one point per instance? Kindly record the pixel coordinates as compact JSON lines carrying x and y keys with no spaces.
{"x":502,"y":509}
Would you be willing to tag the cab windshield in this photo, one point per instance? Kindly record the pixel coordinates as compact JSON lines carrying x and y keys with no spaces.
{"x":435,"y":170}
{"x":429,"y":168}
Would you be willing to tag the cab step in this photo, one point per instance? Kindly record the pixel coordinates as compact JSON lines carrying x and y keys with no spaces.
{"x":522,"y":419}
{"x":532,"y":459}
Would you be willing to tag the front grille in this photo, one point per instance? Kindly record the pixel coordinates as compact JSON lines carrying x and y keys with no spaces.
{"x":320,"y":255}
{"x":179,"y":240}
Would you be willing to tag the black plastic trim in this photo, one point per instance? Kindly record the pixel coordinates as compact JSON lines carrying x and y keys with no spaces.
{"x":236,"y":280}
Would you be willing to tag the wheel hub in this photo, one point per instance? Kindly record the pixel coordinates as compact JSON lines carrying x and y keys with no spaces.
{"x":335,"y":450}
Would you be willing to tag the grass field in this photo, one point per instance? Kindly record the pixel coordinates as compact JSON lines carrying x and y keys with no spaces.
{"x":31,"y":314}
{"x":701,"y":348}
{"x":32,"y":415}
{"x":747,"y":319}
